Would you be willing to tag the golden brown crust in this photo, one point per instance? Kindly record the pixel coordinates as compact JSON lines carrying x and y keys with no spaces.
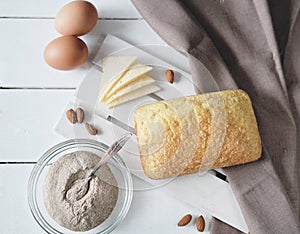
{"x":197,"y":133}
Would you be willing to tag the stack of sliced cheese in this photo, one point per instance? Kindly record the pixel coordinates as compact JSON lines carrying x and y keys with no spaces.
{"x":124,"y":80}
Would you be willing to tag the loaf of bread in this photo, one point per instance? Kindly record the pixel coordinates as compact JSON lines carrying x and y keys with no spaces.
{"x":197,"y":133}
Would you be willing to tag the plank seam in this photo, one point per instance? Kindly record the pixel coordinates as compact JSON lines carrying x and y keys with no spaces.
{"x":7,"y":163}
{"x":47,"y":18}
{"x":37,"y":88}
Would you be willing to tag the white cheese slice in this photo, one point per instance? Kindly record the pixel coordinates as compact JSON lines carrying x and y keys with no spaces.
{"x":113,"y":69}
{"x":135,"y":72}
{"x":142,"y":81}
{"x":151,"y":88}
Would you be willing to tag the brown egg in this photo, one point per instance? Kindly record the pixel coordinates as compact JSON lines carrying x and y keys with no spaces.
{"x":76,"y":18}
{"x":66,"y":53}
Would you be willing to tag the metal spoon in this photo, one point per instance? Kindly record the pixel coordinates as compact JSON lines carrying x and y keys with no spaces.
{"x":112,"y":151}
{"x":81,"y":186}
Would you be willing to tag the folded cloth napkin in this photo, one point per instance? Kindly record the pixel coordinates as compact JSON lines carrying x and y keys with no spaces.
{"x":252,"y":45}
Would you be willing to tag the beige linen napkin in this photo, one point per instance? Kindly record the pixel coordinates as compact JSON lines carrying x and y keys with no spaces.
{"x":255,"y":46}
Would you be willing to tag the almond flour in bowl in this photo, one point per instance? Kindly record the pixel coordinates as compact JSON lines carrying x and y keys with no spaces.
{"x":90,"y":203}
{"x":87,"y":214}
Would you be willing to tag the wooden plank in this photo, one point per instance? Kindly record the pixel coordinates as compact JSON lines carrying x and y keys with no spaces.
{"x":15,"y":215}
{"x":27,"y":118}
{"x":152,"y":211}
{"x":22,"y":45}
{"x":48,"y":8}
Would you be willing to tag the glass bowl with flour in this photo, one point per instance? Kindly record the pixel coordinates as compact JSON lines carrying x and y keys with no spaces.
{"x":61,"y":201}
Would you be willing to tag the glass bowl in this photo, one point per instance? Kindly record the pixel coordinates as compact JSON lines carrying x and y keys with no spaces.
{"x":36,"y":180}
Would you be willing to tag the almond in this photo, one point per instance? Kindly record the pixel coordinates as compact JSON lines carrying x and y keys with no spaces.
{"x":91,"y":129}
{"x":200,"y":223}
{"x":71,"y":115}
{"x":185,"y":220}
{"x":170,"y":76}
{"x":79,"y":115}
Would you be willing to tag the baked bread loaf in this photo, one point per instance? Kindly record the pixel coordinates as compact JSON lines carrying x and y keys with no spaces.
{"x":197,"y":133}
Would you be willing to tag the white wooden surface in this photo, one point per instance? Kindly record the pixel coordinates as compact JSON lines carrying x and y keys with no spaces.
{"x":48,"y":9}
{"x":32,"y":97}
{"x":27,"y":118}
{"x":21,"y":57}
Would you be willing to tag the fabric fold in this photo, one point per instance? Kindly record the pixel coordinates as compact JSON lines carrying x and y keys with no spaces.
{"x":231,"y":44}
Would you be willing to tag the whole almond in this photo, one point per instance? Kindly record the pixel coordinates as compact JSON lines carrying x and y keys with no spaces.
{"x":71,"y":115}
{"x":200,"y":223}
{"x":79,"y":115}
{"x":91,"y":129}
{"x":169,"y":76}
{"x":185,"y":220}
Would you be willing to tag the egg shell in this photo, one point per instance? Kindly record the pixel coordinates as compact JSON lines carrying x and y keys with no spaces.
{"x":76,"y":18}
{"x":66,"y":53}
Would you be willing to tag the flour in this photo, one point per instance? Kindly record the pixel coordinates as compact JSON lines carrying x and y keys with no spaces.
{"x":89,"y":202}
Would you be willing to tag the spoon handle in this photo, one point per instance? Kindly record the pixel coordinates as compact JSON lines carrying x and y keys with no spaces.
{"x":112,"y":151}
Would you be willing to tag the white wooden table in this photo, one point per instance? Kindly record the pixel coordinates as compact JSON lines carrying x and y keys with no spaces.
{"x":33,"y":96}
